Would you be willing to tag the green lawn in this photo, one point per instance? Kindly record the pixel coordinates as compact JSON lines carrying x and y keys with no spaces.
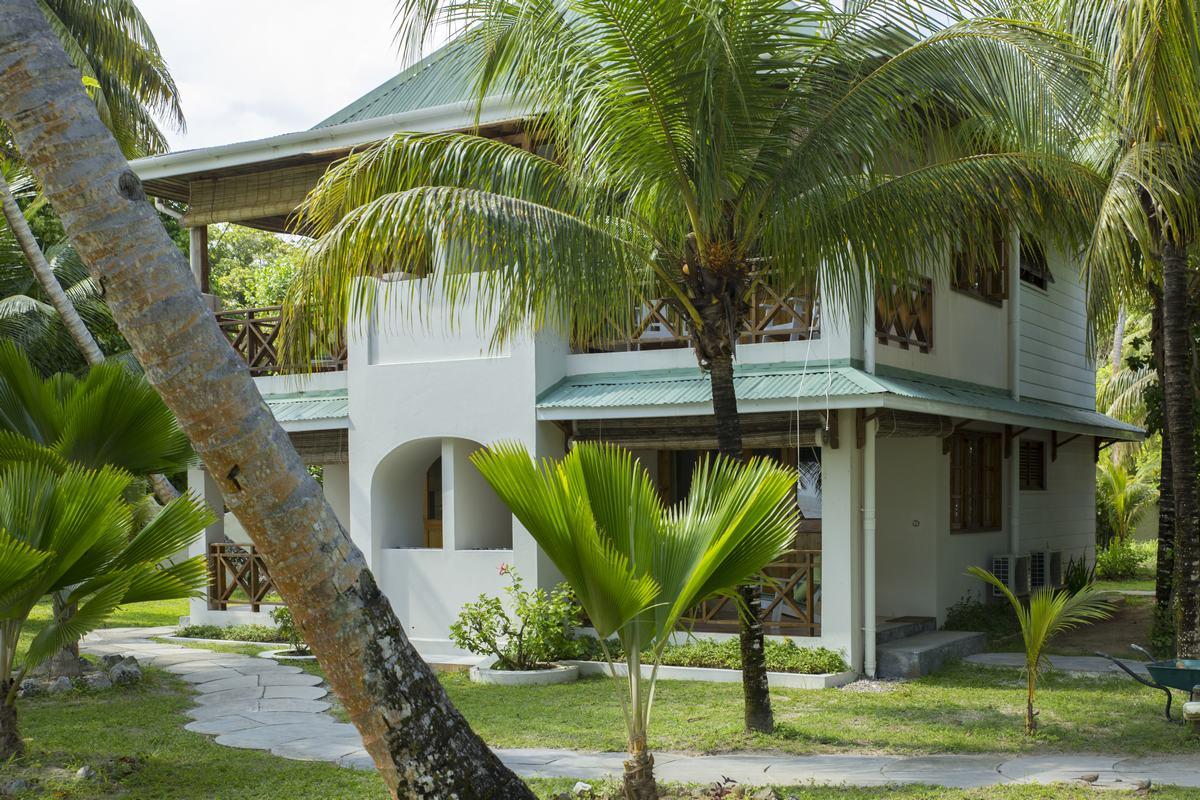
{"x":1135,"y":585}
{"x":138,"y":615}
{"x":140,"y":751}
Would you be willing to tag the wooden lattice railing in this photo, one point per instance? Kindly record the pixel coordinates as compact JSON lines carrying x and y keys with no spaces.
{"x":237,"y":575}
{"x":787,"y":316}
{"x":253,"y":332}
{"x":789,"y":605}
{"x":904,"y":315}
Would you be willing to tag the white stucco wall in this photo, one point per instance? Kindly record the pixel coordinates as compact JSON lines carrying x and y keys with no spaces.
{"x":907,"y":498}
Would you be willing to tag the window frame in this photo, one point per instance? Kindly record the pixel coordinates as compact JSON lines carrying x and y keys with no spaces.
{"x":976,"y":481}
{"x":1038,"y":276}
{"x":977,"y":277}
{"x":1026,"y":482}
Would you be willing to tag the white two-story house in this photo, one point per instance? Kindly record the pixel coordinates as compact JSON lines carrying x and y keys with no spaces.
{"x":953,"y":426}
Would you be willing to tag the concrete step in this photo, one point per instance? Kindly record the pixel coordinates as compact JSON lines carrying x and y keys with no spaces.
{"x":926,"y":652}
{"x":895,"y":628}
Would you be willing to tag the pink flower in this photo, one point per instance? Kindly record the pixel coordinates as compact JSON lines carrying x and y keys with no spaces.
{"x":504,"y":568}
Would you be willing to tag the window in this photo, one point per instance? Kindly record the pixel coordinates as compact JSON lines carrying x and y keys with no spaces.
{"x":1033,"y":466}
{"x":904,"y":315}
{"x":1034,"y":269}
{"x":981,"y":273}
{"x":975,"y":481}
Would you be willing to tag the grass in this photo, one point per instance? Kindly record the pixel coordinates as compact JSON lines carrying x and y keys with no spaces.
{"x":140,"y":751}
{"x":1134,"y":585}
{"x":138,"y":615}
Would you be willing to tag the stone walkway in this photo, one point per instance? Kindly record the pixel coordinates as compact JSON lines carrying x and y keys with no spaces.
{"x":1079,"y":665}
{"x":257,"y":703}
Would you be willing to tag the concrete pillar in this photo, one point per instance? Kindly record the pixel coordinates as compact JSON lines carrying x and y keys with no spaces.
{"x":841,"y":545}
{"x":198,"y":249}
{"x":336,"y":482}
{"x":1014,"y":313}
{"x":868,"y":523}
{"x":201,"y":484}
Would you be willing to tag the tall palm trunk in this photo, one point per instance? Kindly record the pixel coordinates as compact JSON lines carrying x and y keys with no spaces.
{"x":718,"y":354}
{"x":421,"y":744}
{"x":1164,"y":573}
{"x":1179,"y":403}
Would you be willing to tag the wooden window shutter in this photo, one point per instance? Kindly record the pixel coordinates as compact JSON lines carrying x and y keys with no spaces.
{"x":1033,"y":465}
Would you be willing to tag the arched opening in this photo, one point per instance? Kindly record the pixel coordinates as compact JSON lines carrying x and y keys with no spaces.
{"x":400,"y":496}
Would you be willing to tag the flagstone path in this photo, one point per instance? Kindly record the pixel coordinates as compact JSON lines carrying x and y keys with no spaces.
{"x":257,"y":703}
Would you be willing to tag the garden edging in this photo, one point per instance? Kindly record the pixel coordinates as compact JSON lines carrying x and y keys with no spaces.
{"x":786,"y":680}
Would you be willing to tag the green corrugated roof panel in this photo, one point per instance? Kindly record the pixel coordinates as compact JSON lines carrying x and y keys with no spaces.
{"x":442,"y":77}
{"x":687,"y":386}
{"x":677,"y":387}
{"x":309,"y":406}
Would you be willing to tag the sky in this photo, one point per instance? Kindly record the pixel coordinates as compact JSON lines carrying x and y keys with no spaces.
{"x":253,"y":68}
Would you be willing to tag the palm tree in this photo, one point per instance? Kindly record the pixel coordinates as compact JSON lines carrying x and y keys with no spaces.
{"x":71,"y":530}
{"x":636,"y":566}
{"x":1125,"y":496}
{"x":421,"y":744}
{"x":1146,"y":225}
{"x":697,"y":148}
{"x":1049,"y":613}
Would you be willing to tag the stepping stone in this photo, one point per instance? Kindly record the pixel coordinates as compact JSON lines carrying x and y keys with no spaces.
{"x":229,"y":695}
{"x":207,"y":675}
{"x":286,"y":717}
{"x":303,"y":679}
{"x":222,"y":684}
{"x":261,"y":665}
{"x":223,"y":710}
{"x":289,"y":704}
{"x":318,"y":749}
{"x":196,"y":666}
{"x":267,"y":736}
{"x":220,"y":725}
{"x":296,"y":692}
{"x":359,"y":759}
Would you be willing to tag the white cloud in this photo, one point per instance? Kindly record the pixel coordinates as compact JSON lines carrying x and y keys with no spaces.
{"x":253,"y":68}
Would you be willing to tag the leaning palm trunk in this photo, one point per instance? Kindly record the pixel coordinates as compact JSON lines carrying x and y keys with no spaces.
{"x":1179,"y":407}
{"x":421,"y":744}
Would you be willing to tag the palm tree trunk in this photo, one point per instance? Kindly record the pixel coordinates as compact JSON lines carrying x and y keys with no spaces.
{"x":1179,"y":403}
{"x":638,"y":782}
{"x":65,"y":662}
{"x":1030,"y":714}
{"x":11,"y":744}
{"x":420,"y":743}
{"x":755,"y":689}
{"x":1164,"y":574}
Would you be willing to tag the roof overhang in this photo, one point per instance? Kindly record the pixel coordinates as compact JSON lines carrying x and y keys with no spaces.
{"x":793,"y":388}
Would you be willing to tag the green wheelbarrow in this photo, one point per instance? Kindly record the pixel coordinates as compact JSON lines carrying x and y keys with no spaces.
{"x":1175,"y":673}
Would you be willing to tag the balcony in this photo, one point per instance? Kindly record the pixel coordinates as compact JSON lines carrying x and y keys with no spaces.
{"x":253,"y":333}
{"x":787,"y":316}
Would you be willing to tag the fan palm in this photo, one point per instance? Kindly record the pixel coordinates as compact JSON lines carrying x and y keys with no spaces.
{"x":72,"y":530}
{"x":1145,"y":227}
{"x":695,"y":149}
{"x":636,"y":566}
{"x":1049,"y":613}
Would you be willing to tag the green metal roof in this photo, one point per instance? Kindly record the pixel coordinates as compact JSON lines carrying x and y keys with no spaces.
{"x":444,"y":76}
{"x":309,"y":406}
{"x":759,"y":382}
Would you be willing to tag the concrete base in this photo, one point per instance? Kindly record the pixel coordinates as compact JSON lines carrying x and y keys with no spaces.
{"x":924,"y":653}
{"x":559,"y":673}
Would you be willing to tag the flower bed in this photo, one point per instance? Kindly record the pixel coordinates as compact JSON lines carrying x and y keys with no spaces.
{"x":253,"y":634}
{"x":782,"y":656}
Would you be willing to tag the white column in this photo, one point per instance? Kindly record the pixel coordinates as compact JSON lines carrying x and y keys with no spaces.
{"x":841,"y":545}
{"x":198,"y":250}
{"x":1014,"y":314}
{"x":868,"y":525}
{"x":201,"y":484}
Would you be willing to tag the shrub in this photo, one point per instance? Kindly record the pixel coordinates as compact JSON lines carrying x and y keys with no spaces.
{"x":539,"y":631}
{"x":997,"y":620}
{"x":1118,"y":562}
{"x":1077,"y":576}
{"x":781,"y":656}
{"x":236,"y":633}
{"x":282,"y":617}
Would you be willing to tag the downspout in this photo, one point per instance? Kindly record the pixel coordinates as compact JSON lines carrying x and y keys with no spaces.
{"x":1012,"y":446}
{"x":868,"y":523}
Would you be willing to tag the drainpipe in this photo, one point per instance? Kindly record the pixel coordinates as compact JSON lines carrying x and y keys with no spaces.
{"x":1014,"y":384}
{"x":868,"y":522}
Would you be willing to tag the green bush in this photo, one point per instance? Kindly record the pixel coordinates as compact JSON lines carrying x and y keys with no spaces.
{"x":237,"y":633}
{"x":282,"y":617}
{"x":1118,"y":562}
{"x":1077,"y":576}
{"x":996,"y":620}
{"x":781,"y":656}
{"x":538,"y":632}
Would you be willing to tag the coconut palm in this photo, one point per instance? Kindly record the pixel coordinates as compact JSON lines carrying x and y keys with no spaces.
{"x":72,"y":530}
{"x":1049,"y":613}
{"x":692,"y":150}
{"x":419,"y":741}
{"x":636,"y":566}
{"x":1146,"y":225}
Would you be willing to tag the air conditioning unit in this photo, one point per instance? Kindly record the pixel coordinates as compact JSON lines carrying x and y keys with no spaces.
{"x":1039,"y":570}
{"x":1013,"y":572}
{"x":1056,"y":568}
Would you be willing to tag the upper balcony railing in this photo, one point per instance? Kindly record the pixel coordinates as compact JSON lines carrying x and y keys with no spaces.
{"x":788,"y":316}
{"x":254,"y":332}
